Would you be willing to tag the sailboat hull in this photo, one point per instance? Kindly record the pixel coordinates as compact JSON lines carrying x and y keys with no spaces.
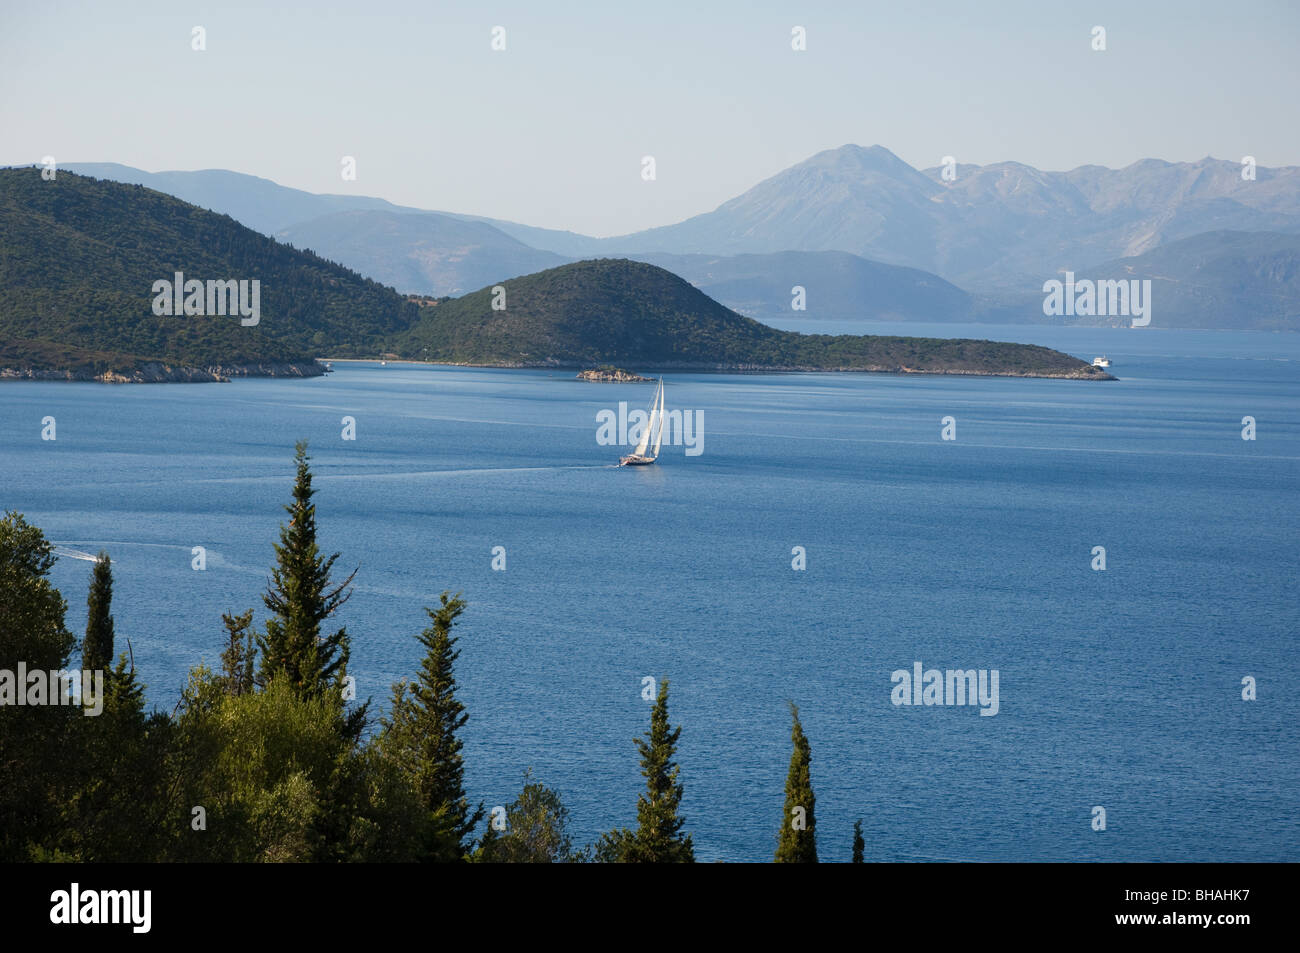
{"x":636,"y":461}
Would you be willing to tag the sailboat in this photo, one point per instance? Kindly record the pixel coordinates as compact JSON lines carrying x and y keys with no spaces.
{"x":654,"y":427}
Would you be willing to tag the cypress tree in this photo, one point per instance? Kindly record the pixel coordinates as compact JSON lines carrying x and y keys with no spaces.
{"x":658,"y":838}
{"x":124,"y":694}
{"x":859,"y":845}
{"x":420,"y":736}
{"x":97,"y":647}
{"x":112,"y":813}
{"x":237,"y":659}
{"x":301,"y":597}
{"x":797,"y":842}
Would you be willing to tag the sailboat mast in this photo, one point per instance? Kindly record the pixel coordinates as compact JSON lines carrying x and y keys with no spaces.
{"x":659,"y":438}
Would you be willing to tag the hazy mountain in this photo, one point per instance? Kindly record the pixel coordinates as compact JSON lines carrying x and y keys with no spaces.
{"x":261,"y":204}
{"x":1049,"y":221}
{"x":560,"y":242}
{"x":865,"y":201}
{"x":998,"y":231}
{"x":1248,"y":280}
{"x":999,"y":226}
{"x":837,"y":285}
{"x":269,"y":207}
{"x":419,"y":253}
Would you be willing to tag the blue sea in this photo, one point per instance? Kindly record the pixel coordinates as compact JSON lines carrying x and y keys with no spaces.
{"x":1119,"y":689}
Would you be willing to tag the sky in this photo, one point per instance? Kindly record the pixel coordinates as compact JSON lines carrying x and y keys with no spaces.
{"x":553,"y":129}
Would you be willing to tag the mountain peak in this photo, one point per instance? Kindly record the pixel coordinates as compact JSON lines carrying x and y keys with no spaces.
{"x":854,"y":148}
{"x":852,"y":157}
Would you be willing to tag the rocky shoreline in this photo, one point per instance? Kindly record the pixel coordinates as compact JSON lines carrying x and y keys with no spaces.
{"x":1082,"y":373}
{"x":156,"y":372}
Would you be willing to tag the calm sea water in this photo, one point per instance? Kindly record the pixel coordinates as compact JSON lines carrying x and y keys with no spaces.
{"x":1119,"y":688}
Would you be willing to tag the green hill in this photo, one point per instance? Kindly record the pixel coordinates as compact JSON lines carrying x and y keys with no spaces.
{"x":79,"y":257}
{"x":615,"y":311}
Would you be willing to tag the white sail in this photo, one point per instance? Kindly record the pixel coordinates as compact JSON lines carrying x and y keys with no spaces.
{"x":645,"y":439}
{"x":659,"y":437}
{"x":649,"y":426}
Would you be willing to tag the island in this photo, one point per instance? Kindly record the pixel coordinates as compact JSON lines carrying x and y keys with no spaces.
{"x":609,"y":373}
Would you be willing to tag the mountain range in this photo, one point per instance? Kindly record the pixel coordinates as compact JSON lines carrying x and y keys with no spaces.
{"x":876,"y":238}
{"x":993,"y":226}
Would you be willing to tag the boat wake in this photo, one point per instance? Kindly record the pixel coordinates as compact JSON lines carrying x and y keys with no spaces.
{"x":470,"y":471}
{"x":63,"y":552}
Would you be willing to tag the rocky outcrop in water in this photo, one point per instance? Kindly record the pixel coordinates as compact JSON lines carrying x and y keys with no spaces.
{"x":616,"y":374}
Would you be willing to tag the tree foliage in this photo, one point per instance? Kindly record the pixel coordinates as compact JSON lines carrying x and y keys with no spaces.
{"x":658,"y":838}
{"x":239,"y":658}
{"x":421,"y":736}
{"x":79,"y":256}
{"x":97,"y":647}
{"x":797,"y":840}
{"x":32,"y":632}
{"x":301,"y":598}
{"x":536,"y":830}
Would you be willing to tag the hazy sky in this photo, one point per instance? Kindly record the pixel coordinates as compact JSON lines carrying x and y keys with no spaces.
{"x":551,"y":131}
